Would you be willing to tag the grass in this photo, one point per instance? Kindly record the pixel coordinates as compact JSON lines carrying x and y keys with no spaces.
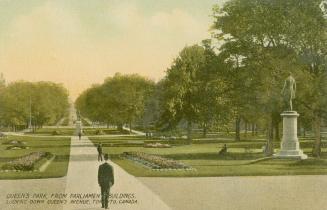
{"x":58,"y":146}
{"x":203,"y":156}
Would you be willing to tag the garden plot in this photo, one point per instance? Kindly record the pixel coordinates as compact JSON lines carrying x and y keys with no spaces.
{"x":30,"y":162}
{"x":155,"y":162}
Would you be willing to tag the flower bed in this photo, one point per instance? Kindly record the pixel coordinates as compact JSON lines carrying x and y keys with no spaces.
{"x":157,"y":145}
{"x":155,"y":161}
{"x":27,"y":162}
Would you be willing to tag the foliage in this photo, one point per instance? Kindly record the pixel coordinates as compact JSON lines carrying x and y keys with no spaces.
{"x":193,"y":89}
{"x":46,"y":101}
{"x":119,"y":100}
{"x":262,"y":42}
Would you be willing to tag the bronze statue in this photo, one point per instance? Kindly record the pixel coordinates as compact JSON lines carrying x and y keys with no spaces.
{"x":288,"y":91}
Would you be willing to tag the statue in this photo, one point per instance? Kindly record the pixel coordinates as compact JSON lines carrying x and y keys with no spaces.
{"x":290,"y":146}
{"x":288,"y":91}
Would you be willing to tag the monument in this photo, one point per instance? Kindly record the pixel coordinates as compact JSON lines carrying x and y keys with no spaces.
{"x":290,"y":147}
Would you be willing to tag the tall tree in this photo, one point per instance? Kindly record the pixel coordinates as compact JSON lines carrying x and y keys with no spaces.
{"x":273,"y":43}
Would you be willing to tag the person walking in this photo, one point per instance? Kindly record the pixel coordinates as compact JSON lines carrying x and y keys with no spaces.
{"x":99,"y":148}
{"x":79,"y":135}
{"x":105,"y":180}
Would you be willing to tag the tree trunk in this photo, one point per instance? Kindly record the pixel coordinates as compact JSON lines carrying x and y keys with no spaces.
{"x":120,"y":127}
{"x":189,"y":131}
{"x":130,"y":127}
{"x":277,"y":137}
{"x":317,"y":145}
{"x":204,"y":131}
{"x":246,"y":128}
{"x":252,"y":129}
{"x":237,"y":128}
{"x":269,"y":149}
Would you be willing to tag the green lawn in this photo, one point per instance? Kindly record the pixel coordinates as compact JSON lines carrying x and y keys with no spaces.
{"x":202,"y":155}
{"x":58,"y":146}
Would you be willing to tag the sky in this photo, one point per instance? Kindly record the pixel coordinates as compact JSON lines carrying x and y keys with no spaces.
{"x":81,"y":42}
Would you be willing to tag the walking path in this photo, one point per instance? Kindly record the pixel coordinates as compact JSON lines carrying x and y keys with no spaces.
{"x":60,"y":122}
{"x":82,"y":179}
{"x":72,"y":115}
{"x":139,"y":133}
{"x":242,"y":193}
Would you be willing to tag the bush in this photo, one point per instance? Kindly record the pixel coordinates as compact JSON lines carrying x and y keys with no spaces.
{"x":16,"y":147}
{"x":55,"y":133}
{"x":99,"y":132}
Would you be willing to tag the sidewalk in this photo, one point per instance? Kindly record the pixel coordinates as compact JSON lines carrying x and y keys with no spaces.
{"x":82,"y":179}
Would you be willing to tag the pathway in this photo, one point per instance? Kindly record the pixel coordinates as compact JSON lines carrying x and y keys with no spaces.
{"x":60,"y":122}
{"x":72,"y":115}
{"x":242,"y":193}
{"x":139,"y":133}
{"x":82,"y":178}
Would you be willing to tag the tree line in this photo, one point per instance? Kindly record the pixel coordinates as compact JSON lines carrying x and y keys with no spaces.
{"x":236,"y":76}
{"x":44,"y":103}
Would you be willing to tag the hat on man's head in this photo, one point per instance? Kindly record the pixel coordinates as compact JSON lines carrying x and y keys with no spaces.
{"x":106,"y":156}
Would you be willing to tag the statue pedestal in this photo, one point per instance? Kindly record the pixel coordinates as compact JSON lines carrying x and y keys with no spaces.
{"x":78,"y":128}
{"x":290,"y":147}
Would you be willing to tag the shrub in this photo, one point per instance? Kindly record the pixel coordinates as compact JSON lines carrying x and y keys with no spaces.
{"x":55,"y":133}
{"x":99,"y":132}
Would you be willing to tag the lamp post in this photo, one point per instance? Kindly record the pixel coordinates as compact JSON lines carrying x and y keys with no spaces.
{"x":30,"y":117}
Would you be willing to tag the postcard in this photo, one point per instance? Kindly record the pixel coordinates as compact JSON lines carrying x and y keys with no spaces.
{"x":163,"y":105}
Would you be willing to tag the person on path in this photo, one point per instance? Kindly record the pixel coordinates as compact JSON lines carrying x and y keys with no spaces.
{"x":99,"y":148}
{"x":105,"y":180}
{"x":79,"y":135}
{"x":223,"y":150}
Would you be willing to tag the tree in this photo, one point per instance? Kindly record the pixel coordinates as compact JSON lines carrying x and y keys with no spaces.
{"x":193,"y":89}
{"x":272,"y":43}
{"x":49,"y":103}
{"x":119,"y":100}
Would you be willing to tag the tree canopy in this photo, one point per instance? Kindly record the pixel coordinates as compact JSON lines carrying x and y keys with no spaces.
{"x":47,"y":103}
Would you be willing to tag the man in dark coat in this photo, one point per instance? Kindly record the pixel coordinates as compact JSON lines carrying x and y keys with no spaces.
{"x":99,"y":148}
{"x":105,"y":180}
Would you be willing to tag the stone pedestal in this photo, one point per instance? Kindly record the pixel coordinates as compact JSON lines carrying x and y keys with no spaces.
{"x":290,"y":147}
{"x":78,"y":128}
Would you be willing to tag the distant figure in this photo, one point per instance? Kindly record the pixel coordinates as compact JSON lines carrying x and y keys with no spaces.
{"x":99,"y":148}
{"x":288,"y":91}
{"x":79,"y":135}
{"x":223,"y":150}
{"x":105,"y":180}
